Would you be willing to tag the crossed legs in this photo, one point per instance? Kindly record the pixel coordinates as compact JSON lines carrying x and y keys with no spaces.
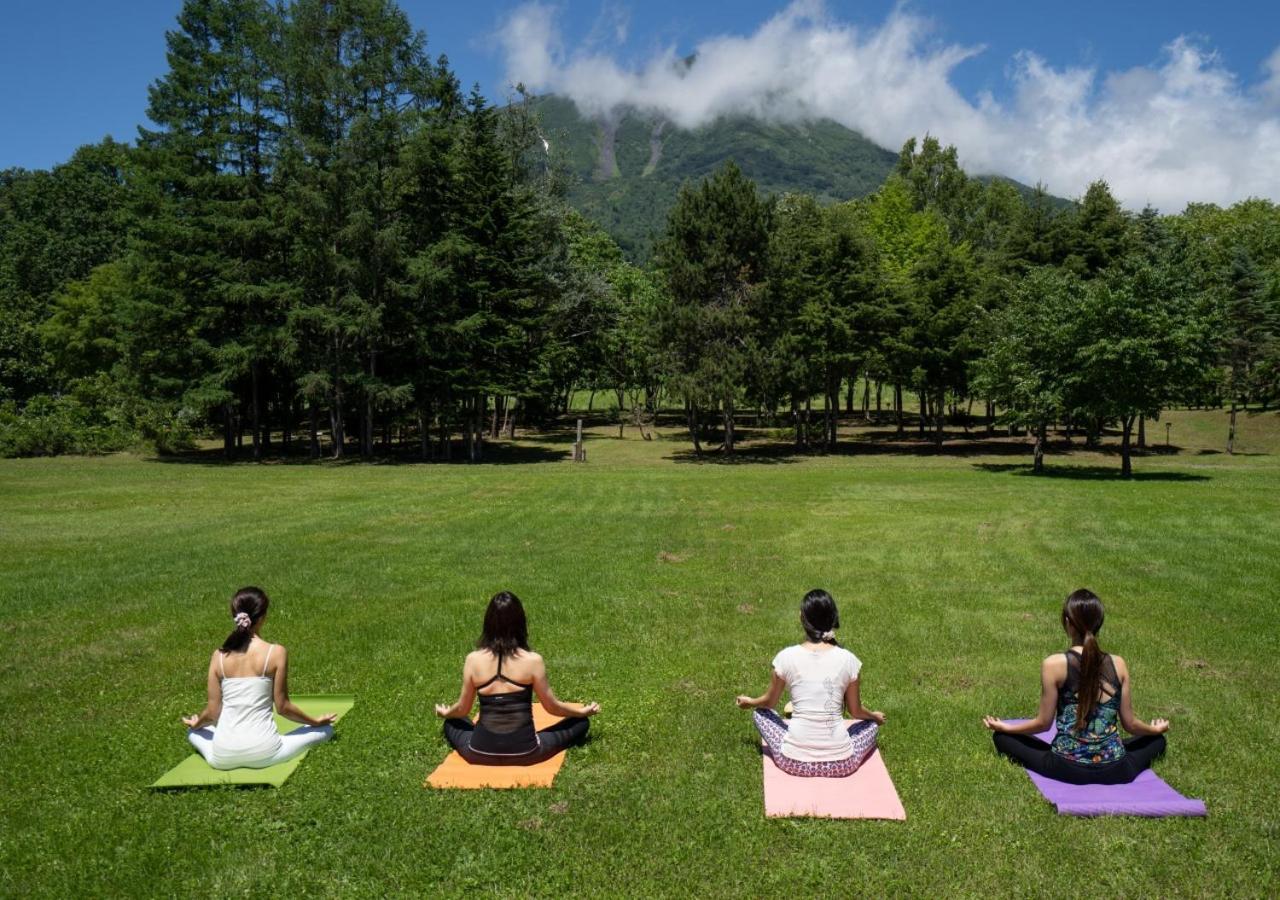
{"x":1039,"y":757}
{"x":551,"y":740}
{"x":773,"y":729}
{"x":291,"y":744}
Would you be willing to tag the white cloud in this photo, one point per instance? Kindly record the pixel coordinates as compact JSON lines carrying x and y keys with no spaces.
{"x":1183,"y":129}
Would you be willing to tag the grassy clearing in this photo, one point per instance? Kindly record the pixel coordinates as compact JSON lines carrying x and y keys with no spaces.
{"x":661,"y":588}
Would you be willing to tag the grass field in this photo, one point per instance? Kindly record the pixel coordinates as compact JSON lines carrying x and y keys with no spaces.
{"x":660,"y":587}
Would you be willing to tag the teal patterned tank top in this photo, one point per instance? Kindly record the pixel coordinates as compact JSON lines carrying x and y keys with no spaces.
{"x":1099,"y":742}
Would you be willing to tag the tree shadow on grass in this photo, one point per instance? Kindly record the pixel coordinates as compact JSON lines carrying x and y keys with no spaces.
{"x":496,"y":453}
{"x":1210,"y":452}
{"x":882,"y":443}
{"x":1084,"y":473}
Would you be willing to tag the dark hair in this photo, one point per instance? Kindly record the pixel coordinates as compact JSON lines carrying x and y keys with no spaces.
{"x":1082,"y":613}
{"x":505,"y":628}
{"x":253,"y":602}
{"x":818,"y":614}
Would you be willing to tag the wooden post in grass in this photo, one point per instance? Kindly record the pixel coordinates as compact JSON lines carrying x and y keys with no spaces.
{"x":579,"y":451}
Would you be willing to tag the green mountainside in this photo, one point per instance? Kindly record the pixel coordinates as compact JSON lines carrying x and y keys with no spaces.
{"x":627,"y":170}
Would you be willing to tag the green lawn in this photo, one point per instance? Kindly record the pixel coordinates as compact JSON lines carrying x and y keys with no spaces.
{"x":660,"y":587}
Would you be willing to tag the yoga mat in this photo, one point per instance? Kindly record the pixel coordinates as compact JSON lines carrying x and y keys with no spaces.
{"x":866,"y":794}
{"x":458,"y":774}
{"x":195,"y":772}
{"x":1147,"y":795}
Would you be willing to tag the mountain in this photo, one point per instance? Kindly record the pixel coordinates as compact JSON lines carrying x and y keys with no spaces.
{"x":629,"y":168}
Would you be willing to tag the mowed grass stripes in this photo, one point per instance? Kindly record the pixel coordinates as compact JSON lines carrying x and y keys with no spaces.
{"x":660,"y":588}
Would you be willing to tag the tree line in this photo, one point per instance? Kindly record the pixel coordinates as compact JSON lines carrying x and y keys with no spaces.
{"x":959,"y":289}
{"x":321,"y":241}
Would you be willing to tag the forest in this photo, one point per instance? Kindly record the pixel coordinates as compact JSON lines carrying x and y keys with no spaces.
{"x":322,"y":245}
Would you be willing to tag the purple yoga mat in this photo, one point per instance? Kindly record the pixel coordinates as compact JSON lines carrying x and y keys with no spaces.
{"x":1147,"y":795}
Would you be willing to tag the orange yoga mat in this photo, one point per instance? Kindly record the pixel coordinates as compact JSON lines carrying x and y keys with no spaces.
{"x":455,"y":772}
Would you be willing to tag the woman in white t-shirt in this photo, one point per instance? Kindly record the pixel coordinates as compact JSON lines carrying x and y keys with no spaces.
{"x":822,"y":678}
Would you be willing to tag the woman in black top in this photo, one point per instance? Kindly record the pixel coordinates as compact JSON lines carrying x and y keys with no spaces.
{"x":1088,"y":696}
{"x":505,"y":674}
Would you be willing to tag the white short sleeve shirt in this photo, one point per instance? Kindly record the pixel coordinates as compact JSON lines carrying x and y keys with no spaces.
{"x":817,"y":680}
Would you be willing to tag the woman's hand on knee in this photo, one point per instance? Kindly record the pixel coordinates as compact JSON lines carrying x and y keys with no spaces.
{"x":745,"y":702}
{"x":996,"y":725}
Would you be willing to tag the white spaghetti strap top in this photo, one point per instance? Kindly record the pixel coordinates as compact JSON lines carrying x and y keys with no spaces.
{"x":246,"y":734}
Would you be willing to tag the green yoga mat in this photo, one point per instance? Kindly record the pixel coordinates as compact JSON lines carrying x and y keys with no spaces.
{"x":195,"y":772}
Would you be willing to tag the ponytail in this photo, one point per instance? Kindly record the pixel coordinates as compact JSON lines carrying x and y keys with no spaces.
{"x":1090,"y":674}
{"x":1083,"y":611}
{"x":248,"y":606}
{"x":819,"y":618}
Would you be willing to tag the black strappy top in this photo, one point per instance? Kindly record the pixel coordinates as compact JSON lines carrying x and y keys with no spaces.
{"x":506,"y":720}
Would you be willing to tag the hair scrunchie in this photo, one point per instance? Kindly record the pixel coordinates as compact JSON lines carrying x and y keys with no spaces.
{"x":828,"y":635}
{"x":242,"y":620}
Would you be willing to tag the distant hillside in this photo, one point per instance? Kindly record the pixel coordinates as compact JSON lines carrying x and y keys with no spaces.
{"x":628,"y":170}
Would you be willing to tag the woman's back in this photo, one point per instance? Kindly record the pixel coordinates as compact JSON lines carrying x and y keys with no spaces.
{"x":1099,"y":740}
{"x":505,"y":686}
{"x":509,"y":674}
{"x":246,"y":729}
{"x":817,"y":680}
{"x":254,"y":660}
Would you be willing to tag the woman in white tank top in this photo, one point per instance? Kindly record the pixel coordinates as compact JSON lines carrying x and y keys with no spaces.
{"x":822,"y":678}
{"x":247,"y":676}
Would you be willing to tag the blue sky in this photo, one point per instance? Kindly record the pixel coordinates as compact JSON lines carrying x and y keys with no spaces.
{"x":76,"y":70}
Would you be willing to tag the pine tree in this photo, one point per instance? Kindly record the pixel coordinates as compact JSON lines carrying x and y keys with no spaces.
{"x":1247,"y":335}
{"x":357,"y":81}
{"x":1098,"y":234}
{"x":713,"y":257}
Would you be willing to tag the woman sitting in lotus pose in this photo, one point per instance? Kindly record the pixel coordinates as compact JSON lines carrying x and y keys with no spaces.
{"x":1087,"y":694}
{"x":506,"y":674}
{"x":822,"y":678}
{"x":246,"y":674}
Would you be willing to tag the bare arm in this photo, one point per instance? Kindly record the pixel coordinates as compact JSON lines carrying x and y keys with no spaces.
{"x":767,"y":700}
{"x":213,"y":706}
{"x":853,"y":700}
{"x":284,"y":705}
{"x":1128,"y":720}
{"x":1053,"y":671}
{"x":551,"y":703}
{"x":466,"y":697}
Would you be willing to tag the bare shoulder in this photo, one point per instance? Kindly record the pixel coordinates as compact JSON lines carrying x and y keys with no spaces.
{"x":1122,"y":668}
{"x":1054,"y":664}
{"x":531,"y":664}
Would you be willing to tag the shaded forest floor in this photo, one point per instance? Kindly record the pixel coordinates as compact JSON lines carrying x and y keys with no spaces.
{"x":1197,"y":433}
{"x":660,"y":589}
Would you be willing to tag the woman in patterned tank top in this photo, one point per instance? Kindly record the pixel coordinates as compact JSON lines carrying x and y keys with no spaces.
{"x":1086,"y":695}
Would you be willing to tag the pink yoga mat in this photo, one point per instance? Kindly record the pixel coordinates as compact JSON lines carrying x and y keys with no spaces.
{"x":866,"y":794}
{"x":1147,"y":795}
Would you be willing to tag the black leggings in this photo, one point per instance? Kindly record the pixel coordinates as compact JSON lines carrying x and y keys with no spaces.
{"x":1039,"y":757}
{"x":551,"y":740}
